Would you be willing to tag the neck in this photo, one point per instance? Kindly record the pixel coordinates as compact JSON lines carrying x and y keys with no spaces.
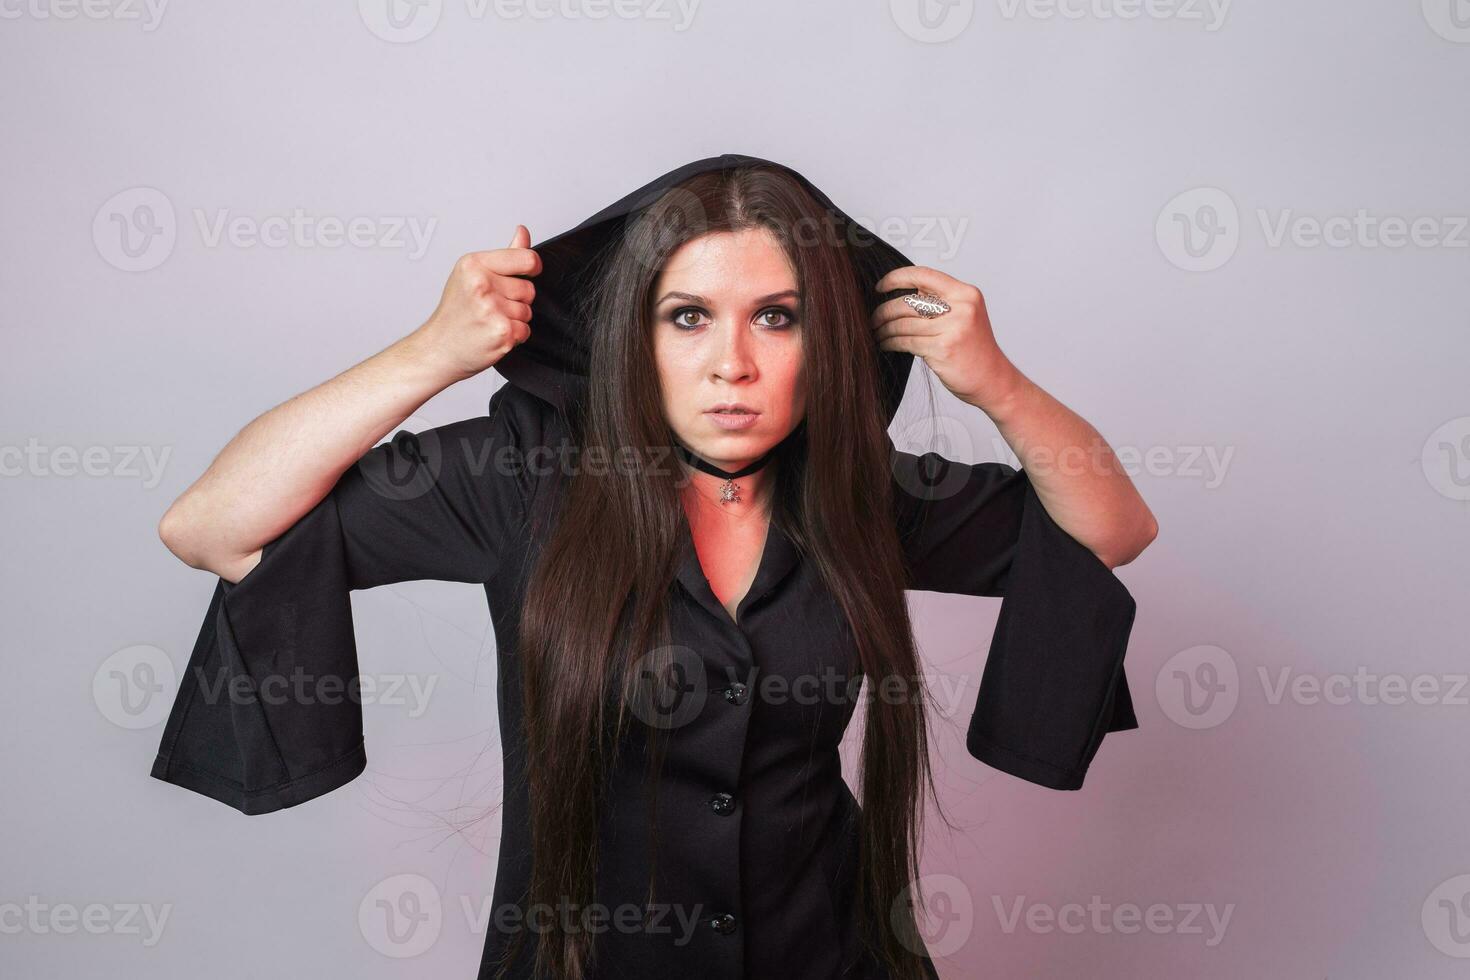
{"x":755,"y":488}
{"x":734,"y":486}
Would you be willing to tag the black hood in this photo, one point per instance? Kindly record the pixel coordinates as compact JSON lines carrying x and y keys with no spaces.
{"x":552,"y":364}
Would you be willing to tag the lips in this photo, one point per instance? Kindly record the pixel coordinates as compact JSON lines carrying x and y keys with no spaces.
{"x":733,"y":416}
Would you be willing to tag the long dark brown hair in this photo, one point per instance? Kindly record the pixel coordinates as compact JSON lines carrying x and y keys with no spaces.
{"x":586,"y":623}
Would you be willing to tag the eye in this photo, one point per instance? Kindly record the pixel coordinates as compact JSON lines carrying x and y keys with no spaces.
{"x":687,"y":318}
{"x":677,"y":317}
{"x":787,"y":317}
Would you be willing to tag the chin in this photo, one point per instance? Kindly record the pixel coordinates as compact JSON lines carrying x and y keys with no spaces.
{"x":722,"y":448}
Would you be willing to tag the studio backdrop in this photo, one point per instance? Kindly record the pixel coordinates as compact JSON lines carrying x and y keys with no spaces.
{"x":1232,"y":237}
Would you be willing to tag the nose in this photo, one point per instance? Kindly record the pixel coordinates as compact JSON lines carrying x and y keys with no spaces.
{"x":733,"y":360}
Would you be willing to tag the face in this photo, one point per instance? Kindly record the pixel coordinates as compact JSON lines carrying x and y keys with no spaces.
{"x":727,"y":331}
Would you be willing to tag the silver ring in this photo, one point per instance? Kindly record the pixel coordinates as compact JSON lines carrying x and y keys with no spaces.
{"x":927,"y":305}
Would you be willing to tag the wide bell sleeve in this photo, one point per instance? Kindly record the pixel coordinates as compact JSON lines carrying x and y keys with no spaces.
{"x":268,"y":711}
{"x":1053,"y":683}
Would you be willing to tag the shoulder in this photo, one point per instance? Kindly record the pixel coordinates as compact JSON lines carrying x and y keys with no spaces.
{"x":959,"y":523}
{"x":484,"y":460}
{"x":531,"y":439}
{"x":928,"y":484}
{"x":521,"y":414}
{"x":524,"y":425}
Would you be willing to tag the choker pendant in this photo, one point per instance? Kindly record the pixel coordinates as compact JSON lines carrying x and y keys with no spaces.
{"x":729,"y":490}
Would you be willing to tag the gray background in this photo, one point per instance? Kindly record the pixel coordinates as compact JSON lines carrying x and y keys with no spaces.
{"x":1296,"y":412}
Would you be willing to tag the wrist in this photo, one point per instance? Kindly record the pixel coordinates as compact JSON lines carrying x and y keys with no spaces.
{"x":1005,"y":391}
{"x":427,"y":354}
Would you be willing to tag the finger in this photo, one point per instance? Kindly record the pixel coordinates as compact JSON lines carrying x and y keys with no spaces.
{"x":897,"y":309}
{"x":513,"y":287}
{"x":919,"y":277}
{"x":909,"y":326}
{"x":915,"y":344}
{"x":512,"y":309}
{"x":509,"y":261}
{"x":521,"y":238}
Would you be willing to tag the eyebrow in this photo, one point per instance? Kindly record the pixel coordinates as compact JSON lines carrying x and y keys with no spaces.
{"x":695,"y":298}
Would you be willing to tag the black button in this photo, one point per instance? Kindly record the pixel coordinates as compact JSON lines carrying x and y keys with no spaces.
{"x":723,"y":924}
{"x":737,"y":693}
{"x":723,"y":804}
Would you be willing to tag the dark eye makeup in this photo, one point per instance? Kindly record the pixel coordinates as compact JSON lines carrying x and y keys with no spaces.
{"x":788,"y":317}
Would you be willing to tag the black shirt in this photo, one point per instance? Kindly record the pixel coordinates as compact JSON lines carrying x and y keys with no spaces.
{"x":757,"y":843}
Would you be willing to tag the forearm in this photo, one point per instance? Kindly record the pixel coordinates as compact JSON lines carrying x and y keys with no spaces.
{"x":284,"y":462}
{"x":1077,"y":476}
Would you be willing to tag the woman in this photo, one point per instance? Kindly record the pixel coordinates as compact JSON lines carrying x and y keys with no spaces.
{"x":695,"y":539}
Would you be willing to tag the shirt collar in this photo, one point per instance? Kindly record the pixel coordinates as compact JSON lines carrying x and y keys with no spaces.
{"x":777,"y":559}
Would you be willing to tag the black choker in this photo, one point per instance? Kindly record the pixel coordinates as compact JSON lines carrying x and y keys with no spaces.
{"x":729,"y":492}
